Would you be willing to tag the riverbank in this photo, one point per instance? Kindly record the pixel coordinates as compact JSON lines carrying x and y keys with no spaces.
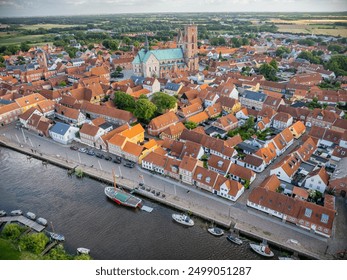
{"x":278,"y":233}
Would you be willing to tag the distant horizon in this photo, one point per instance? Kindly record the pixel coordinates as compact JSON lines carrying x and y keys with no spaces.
{"x":139,"y":13}
{"x":51,"y":8}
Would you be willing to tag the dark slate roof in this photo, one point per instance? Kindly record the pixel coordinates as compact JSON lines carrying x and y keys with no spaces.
{"x":172,"y":86}
{"x":5,"y":102}
{"x":137,"y":80}
{"x":106,"y":125}
{"x":247,"y":147}
{"x":60,"y":128}
{"x":298,"y":104}
{"x":253,"y":95}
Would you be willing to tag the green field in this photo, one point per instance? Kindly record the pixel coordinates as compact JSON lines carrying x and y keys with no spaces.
{"x":6,"y":40}
{"x":47,"y":26}
{"x":309,"y":29}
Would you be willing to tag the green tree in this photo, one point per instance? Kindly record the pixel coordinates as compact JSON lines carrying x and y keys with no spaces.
{"x":190,"y":125}
{"x":34,"y":243}
{"x":62,"y":84}
{"x":90,"y":46}
{"x":281,"y":51}
{"x":123,"y":100}
{"x":58,"y":253}
{"x":163,"y":102}
{"x":119,"y":69}
{"x":144,"y":110}
{"x":11,"y":231}
{"x":337,"y":64}
{"x":268,"y":71}
{"x":273,"y":63}
{"x":24,"y":47}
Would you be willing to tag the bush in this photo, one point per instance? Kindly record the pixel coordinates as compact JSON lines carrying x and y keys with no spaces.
{"x":12,"y":231}
{"x":34,"y":243}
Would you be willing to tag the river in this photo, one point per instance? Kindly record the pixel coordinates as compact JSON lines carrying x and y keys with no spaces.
{"x":78,"y":209}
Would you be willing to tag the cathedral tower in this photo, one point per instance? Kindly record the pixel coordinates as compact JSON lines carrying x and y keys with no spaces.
{"x":190,"y":46}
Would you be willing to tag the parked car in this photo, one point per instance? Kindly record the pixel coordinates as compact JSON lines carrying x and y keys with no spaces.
{"x":141,"y":184}
{"x":82,"y":150}
{"x":129,"y":165}
{"x":108,"y":158}
{"x":116,"y":160}
{"x":74,"y":148}
{"x":91,"y":152}
{"x":99,"y":155}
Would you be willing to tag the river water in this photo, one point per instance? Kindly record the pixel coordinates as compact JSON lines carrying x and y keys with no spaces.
{"x":78,"y":209}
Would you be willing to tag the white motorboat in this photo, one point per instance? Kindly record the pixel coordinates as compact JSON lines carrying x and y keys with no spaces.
{"x":215,"y":231}
{"x":42,"y":221}
{"x":2,"y":213}
{"x":57,"y":236}
{"x":183,"y":219}
{"x":16,"y":212}
{"x":31,"y":216}
{"x":82,"y":250}
{"x":234,"y":239}
{"x":262,"y":249}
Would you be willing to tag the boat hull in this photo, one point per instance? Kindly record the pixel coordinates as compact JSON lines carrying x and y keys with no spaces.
{"x":262,"y":250}
{"x":122,"y":198}
{"x":234,"y":240}
{"x":183,"y":220}
{"x":216,"y":231}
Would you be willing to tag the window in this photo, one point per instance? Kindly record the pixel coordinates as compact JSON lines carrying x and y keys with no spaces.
{"x":308,"y":212}
{"x":324,"y":219}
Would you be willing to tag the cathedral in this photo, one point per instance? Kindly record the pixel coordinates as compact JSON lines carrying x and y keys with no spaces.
{"x":157,"y":63}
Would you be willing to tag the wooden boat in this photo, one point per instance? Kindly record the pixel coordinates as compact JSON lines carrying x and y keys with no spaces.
{"x":234,"y":239}
{"x":122,"y":197}
{"x":82,"y":250}
{"x":262,"y":249}
{"x":215,"y":231}
{"x":183,"y":219}
{"x":16,"y":212}
{"x":31,"y":215}
{"x":42,"y":221}
{"x":2,"y":213}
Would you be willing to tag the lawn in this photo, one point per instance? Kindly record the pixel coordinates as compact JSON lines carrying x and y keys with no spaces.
{"x":47,"y":26}
{"x":8,"y":251}
{"x":11,"y":40}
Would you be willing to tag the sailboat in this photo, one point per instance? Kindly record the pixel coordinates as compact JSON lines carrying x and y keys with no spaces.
{"x":120,"y":196}
{"x":56,"y":236}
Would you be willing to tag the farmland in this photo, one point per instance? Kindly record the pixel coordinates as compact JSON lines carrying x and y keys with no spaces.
{"x":46,"y":26}
{"x":6,"y":40}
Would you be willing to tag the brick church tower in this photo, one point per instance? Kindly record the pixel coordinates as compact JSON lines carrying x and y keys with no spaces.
{"x":189,"y":44}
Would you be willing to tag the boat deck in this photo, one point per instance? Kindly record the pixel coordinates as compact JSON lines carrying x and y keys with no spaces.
{"x":23,"y":220}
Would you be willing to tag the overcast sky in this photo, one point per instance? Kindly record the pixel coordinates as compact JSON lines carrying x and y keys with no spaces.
{"x":10,"y":8}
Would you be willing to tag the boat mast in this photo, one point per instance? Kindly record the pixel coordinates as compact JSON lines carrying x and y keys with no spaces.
{"x":114,"y":179}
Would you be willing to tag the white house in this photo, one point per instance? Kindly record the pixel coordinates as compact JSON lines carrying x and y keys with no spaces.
{"x":282,"y":120}
{"x":228,"y":189}
{"x":317,"y":180}
{"x":151,"y":84}
{"x":242,"y":114}
{"x":63,"y":133}
{"x":89,"y":134}
{"x":286,"y":168}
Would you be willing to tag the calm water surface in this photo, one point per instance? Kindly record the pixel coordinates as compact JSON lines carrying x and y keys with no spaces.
{"x":80,"y":210}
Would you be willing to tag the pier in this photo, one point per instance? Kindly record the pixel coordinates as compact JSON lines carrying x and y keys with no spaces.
{"x":24,"y":221}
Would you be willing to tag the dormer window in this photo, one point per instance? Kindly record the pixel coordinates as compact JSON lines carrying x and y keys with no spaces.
{"x":199,"y":176}
{"x":324,"y":219}
{"x":308,"y":212}
{"x":208,"y":179}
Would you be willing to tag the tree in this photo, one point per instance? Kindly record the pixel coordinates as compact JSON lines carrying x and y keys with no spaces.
{"x":90,"y":46}
{"x":190,"y":125}
{"x":268,"y":71}
{"x":12,"y":231}
{"x":24,"y":47}
{"x":58,"y":253}
{"x":34,"y":243}
{"x":123,"y":100}
{"x":163,"y":102}
{"x":144,"y":109}
{"x":62,"y":84}
{"x":337,"y":64}
{"x":273,"y":63}
{"x":119,"y":69}
{"x":281,"y":51}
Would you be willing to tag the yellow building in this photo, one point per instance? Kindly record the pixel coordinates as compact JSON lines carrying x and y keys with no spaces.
{"x":134,"y":134}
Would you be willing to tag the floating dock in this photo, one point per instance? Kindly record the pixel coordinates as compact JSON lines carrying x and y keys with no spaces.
{"x":24,"y":221}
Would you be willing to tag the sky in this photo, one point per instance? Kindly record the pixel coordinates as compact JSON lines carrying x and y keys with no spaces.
{"x":27,"y":8}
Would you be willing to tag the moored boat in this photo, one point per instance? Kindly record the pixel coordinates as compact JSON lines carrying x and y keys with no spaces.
{"x":234,"y":239}
{"x":122,"y":197}
{"x":2,"y":213}
{"x":82,"y":250}
{"x":16,"y":212}
{"x":42,"y":221}
{"x":215,"y":231}
{"x":183,"y":219}
{"x":57,"y":236}
{"x":31,"y":215}
{"x":262,"y":249}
